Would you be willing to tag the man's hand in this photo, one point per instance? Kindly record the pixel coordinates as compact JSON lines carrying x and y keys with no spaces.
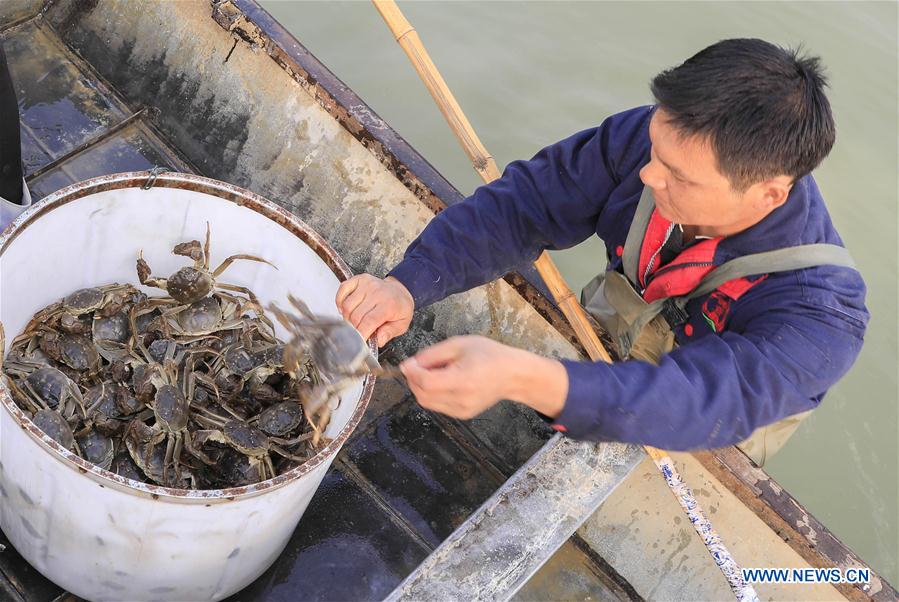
{"x":376,"y":306}
{"x":463,"y":376}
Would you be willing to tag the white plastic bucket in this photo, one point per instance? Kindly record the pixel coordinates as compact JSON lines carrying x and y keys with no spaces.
{"x":98,"y":535}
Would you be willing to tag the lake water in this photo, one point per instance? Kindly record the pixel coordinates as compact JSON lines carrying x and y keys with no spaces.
{"x":530,"y":73}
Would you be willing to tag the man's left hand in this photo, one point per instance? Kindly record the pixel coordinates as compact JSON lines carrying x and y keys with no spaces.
{"x":463,"y":376}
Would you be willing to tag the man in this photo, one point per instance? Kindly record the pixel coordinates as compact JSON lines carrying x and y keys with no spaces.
{"x":14,"y":196}
{"x":727,"y":285}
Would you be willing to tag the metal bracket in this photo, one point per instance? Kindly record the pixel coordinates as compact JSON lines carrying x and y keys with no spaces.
{"x":152,"y":175}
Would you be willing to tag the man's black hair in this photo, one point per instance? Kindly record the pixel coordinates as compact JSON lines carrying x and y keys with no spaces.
{"x":761,"y":107}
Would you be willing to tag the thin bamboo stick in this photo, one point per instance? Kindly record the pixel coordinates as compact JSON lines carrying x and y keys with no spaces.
{"x":484,"y":164}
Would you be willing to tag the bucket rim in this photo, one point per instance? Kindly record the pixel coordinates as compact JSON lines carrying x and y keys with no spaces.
{"x":227,"y":192}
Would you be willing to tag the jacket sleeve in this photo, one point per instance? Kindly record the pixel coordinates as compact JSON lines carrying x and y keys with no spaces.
{"x":552,"y":201}
{"x":783,"y":349}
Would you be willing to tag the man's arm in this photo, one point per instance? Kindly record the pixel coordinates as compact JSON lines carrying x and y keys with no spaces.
{"x":779,"y":358}
{"x":552,"y":201}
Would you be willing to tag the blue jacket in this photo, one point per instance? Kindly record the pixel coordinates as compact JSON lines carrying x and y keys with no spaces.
{"x":781,"y":345}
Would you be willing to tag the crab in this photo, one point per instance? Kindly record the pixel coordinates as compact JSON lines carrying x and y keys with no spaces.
{"x":236,"y":469}
{"x":124,"y":466}
{"x":105,"y":300}
{"x":55,"y":427}
{"x":240,"y":365}
{"x":102,"y":410}
{"x":333,"y":344}
{"x":45,"y":388}
{"x":74,"y":350}
{"x":46,"y":418}
{"x":96,"y":448}
{"x":269,"y":361}
{"x":112,"y":329}
{"x":140,"y":441}
{"x":247,"y":439}
{"x":171,"y":408}
{"x":335,"y":347}
{"x":204,"y":317}
{"x":192,"y":283}
{"x":280,"y":419}
{"x":72,"y":315}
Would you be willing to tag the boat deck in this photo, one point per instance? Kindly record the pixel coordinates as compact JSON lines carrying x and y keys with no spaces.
{"x":402,"y":483}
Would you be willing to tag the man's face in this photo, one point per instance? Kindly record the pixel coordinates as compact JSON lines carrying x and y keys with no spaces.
{"x":689,"y":190}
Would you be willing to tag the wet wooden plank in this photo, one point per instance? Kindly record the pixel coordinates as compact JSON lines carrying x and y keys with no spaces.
{"x":60,"y":106}
{"x":422,"y":473}
{"x":345,"y":548}
{"x":497,"y":550}
{"x":791,"y":521}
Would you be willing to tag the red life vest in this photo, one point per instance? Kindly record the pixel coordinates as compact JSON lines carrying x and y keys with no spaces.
{"x":680,"y":275}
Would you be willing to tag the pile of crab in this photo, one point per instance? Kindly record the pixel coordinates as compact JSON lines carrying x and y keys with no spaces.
{"x":188,"y":390}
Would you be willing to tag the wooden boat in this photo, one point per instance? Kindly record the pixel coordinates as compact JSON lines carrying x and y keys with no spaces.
{"x":417,"y":506}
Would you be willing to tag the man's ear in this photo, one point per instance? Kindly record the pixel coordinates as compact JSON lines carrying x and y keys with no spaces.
{"x":773,"y":192}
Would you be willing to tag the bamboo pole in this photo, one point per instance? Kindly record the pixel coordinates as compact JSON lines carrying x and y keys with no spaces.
{"x":484,"y":164}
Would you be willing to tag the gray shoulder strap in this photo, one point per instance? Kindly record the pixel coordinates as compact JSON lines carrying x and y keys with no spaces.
{"x":630,"y":258}
{"x":781,"y":260}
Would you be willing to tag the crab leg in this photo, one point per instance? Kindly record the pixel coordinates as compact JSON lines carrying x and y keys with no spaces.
{"x":206,"y":247}
{"x":228,"y":261}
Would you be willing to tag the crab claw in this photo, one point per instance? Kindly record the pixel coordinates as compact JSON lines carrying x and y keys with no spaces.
{"x":143,"y":268}
{"x":143,"y":273}
{"x":192,"y":249}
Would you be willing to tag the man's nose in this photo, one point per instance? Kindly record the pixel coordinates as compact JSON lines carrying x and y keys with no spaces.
{"x":651,"y":176}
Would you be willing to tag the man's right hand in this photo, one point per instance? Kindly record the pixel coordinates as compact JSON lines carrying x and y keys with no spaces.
{"x":375,"y":306}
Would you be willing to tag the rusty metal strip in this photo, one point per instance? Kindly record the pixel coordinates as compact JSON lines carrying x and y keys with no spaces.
{"x":791,"y":521}
{"x":496,"y":551}
{"x":100,"y":137}
{"x":40,"y":143}
{"x":352,"y":473}
{"x":21,"y":19}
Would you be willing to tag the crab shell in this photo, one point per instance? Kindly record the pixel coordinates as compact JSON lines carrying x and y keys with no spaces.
{"x":281,"y":418}
{"x":97,"y":449}
{"x":124,"y":466}
{"x":75,"y":324}
{"x":142,"y":382}
{"x":114,"y":328}
{"x":201,"y":317}
{"x":272,"y":356}
{"x":73,"y":350}
{"x":239,"y":361}
{"x":50,"y":384}
{"x":55,"y":427}
{"x":245,"y":438}
{"x":137,"y":437}
{"x":343,"y":349}
{"x":170,"y":408}
{"x":83,"y":300}
{"x":238,"y":469}
{"x":101,"y":399}
{"x":189,"y":284}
